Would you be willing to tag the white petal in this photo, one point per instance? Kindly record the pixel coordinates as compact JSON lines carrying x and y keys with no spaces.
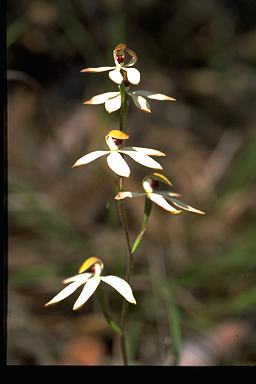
{"x":159,"y":200}
{"x":116,"y":76}
{"x":118,"y":164}
{"x":123,"y":195}
{"x":141,"y":102}
{"x":97,"y":69}
{"x":88,"y":290}
{"x":168,"y":194}
{"x":67,"y":291}
{"x":146,"y":151}
{"x":90,"y":157}
{"x":120,"y":286}
{"x":102,"y":98}
{"x":83,"y":277}
{"x":142,"y":159}
{"x":113,"y":104}
{"x":133,"y":75}
{"x":187,"y":207}
{"x":152,"y":95}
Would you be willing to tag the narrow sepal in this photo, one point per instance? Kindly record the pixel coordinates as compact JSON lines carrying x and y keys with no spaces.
{"x":187,"y":207}
{"x":121,"y":286}
{"x":159,"y":200}
{"x":102,"y":98}
{"x":143,"y":159}
{"x":89,"y":158}
{"x":67,"y":291}
{"x":124,"y":195}
{"x":82,"y":278}
{"x":153,"y":95}
{"x":145,"y":151}
{"x":88,"y":290}
{"x":97,"y":69}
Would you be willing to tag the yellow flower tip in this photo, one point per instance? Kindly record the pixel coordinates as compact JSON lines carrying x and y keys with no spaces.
{"x":118,"y":135}
{"x":201,"y":212}
{"x":89,"y":263}
{"x":120,"y":47}
{"x":145,"y":110}
{"x":176,"y":213}
{"x":76,"y":308}
{"x":158,"y":177}
{"x":162,"y":178}
{"x":49,"y":303}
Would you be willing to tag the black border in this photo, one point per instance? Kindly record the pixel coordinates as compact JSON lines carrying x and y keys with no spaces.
{"x":4,"y":215}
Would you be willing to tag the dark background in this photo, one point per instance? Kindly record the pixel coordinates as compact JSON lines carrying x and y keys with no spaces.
{"x":194,"y":276}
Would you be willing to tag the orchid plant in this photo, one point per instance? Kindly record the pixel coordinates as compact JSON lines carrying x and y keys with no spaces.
{"x":89,"y":275}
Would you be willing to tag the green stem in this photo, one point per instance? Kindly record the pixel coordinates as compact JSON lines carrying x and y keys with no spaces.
{"x":106,"y":312}
{"x":124,"y":106}
{"x":147,"y":211}
{"x":124,"y":310}
{"x":122,"y":214}
{"x":131,"y":251}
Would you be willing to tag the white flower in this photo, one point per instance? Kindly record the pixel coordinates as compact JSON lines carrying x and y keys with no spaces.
{"x":91,"y":280}
{"x":115,"y":74}
{"x":115,"y":160}
{"x":159,"y":197}
{"x":112,"y":100}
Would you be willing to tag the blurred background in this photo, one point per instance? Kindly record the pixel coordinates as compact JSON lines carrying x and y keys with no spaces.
{"x":194,"y":276}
